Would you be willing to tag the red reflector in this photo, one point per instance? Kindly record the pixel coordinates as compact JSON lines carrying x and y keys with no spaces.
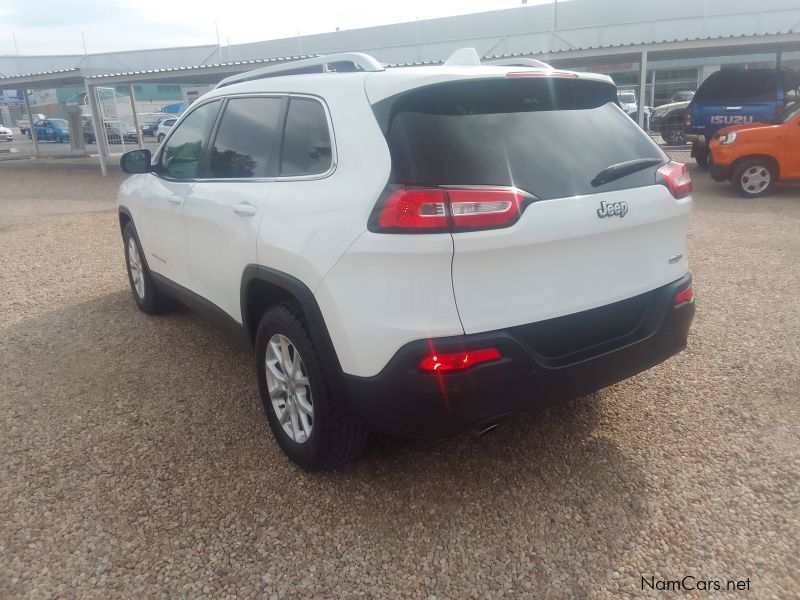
{"x":446,"y":209}
{"x":676,"y":177}
{"x":458,"y":361}
{"x":685,"y":295}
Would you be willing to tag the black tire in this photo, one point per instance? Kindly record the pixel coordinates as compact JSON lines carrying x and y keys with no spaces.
{"x":161,"y":137}
{"x":152,"y":301}
{"x":754,"y":177}
{"x":334,"y":438}
{"x":702,"y":159}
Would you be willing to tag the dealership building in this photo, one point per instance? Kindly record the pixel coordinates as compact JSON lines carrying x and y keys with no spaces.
{"x":653,"y":48}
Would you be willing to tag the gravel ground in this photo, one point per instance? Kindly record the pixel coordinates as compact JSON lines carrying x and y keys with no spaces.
{"x":136,"y":461}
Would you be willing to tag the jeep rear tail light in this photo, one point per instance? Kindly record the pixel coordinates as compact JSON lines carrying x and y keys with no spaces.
{"x":675,"y":176}
{"x":457,"y":361}
{"x":436,"y":210}
{"x":687,"y":123}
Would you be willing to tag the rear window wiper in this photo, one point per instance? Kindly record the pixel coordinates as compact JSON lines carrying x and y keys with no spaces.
{"x":622,"y":169}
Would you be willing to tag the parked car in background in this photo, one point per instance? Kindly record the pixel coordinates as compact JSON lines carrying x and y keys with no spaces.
{"x":51,"y":130}
{"x":24,"y":124}
{"x":682,"y":97}
{"x":163,"y":128}
{"x":737,"y":97}
{"x":116,"y":132}
{"x":755,"y":157}
{"x":667,"y":120}
{"x":6,"y":135}
{"x":627,"y":101}
{"x":149,"y":122}
{"x":502,"y":278}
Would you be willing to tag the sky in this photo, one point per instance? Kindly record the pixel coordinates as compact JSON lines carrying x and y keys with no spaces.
{"x":56,"y":26}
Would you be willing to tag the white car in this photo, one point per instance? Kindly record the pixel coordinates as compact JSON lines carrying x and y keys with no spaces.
{"x":416,"y":251}
{"x":163,"y":128}
{"x":6,"y":135}
{"x":627,"y":101}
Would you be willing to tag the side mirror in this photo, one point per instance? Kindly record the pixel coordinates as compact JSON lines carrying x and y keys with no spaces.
{"x":136,"y":161}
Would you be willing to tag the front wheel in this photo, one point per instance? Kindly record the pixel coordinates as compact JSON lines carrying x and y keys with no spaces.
{"x":754,"y":178}
{"x":149,"y":299}
{"x":306,"y":420}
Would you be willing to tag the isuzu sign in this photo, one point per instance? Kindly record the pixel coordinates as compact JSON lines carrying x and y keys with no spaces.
{"x":730,"y":120}
{"x":612,"y":209}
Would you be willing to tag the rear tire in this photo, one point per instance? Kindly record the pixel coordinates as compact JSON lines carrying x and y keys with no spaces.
{"x":148,"y":297}
{"x":702,"y":159}
{"x":307,"y":421}
{"x":754,"y":178}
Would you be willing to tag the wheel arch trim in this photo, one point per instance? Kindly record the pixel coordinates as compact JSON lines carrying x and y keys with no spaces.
{"x":315,"y":321}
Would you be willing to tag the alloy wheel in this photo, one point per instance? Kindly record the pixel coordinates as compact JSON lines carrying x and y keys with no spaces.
{"x":289,"y":389}
{"x":135,"y":267}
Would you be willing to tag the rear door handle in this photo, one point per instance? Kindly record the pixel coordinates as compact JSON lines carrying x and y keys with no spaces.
{"x":175,"y":200}
{"x":244,"y":209}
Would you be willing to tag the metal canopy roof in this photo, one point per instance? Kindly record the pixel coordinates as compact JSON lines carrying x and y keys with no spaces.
{"x":213,"y":73}
{"x":193,"y":74}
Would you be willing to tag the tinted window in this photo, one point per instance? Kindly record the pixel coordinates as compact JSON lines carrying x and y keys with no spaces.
{"x":738,"y":85}
{"x":307,"y":140}
{"x":181,"y":155}
{"x":550,"y":137}
{"x":244,"y":138}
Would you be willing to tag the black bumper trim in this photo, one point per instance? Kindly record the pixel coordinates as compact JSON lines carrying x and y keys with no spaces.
{"x":720,"y":172}
{"x":404,"y":401}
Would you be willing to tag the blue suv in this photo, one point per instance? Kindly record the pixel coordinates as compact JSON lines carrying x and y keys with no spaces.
{"x":737,"y":97}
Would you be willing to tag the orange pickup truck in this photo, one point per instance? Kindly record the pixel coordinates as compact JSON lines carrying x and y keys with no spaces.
{"x":753,"y":157}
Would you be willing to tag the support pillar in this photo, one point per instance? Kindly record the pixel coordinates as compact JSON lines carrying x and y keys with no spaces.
{"x":642,"y":87}
{"x":98,"y":126}
{"x":139,"y":135}
{"x":31,"y":123}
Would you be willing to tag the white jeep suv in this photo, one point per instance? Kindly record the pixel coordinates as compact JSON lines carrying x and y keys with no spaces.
{"x":415,"y":251}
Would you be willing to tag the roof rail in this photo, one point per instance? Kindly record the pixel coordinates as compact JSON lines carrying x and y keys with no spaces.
{"x":516,"y":62}
{"x":357,"y":61}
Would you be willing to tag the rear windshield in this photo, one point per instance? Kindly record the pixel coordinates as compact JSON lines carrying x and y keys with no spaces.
{"x":739,"y":85}
{"x":549,"y":137}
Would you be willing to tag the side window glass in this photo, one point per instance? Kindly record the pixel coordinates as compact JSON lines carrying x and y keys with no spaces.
{"x":307,"y":139}
{"x":244,"y":138}
{"x":184,"y":149}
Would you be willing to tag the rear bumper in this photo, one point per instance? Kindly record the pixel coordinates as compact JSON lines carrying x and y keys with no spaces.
{"x":404,"y":401}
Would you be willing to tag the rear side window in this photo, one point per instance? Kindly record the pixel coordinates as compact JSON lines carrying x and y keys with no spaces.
{"x":739,"y":85}
{"x":246,"y":133}
{"x":550,"y":137}
{"x":307,"y":139}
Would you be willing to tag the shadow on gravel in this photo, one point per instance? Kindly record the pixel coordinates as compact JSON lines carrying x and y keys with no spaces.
{"x":155,"y":423}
